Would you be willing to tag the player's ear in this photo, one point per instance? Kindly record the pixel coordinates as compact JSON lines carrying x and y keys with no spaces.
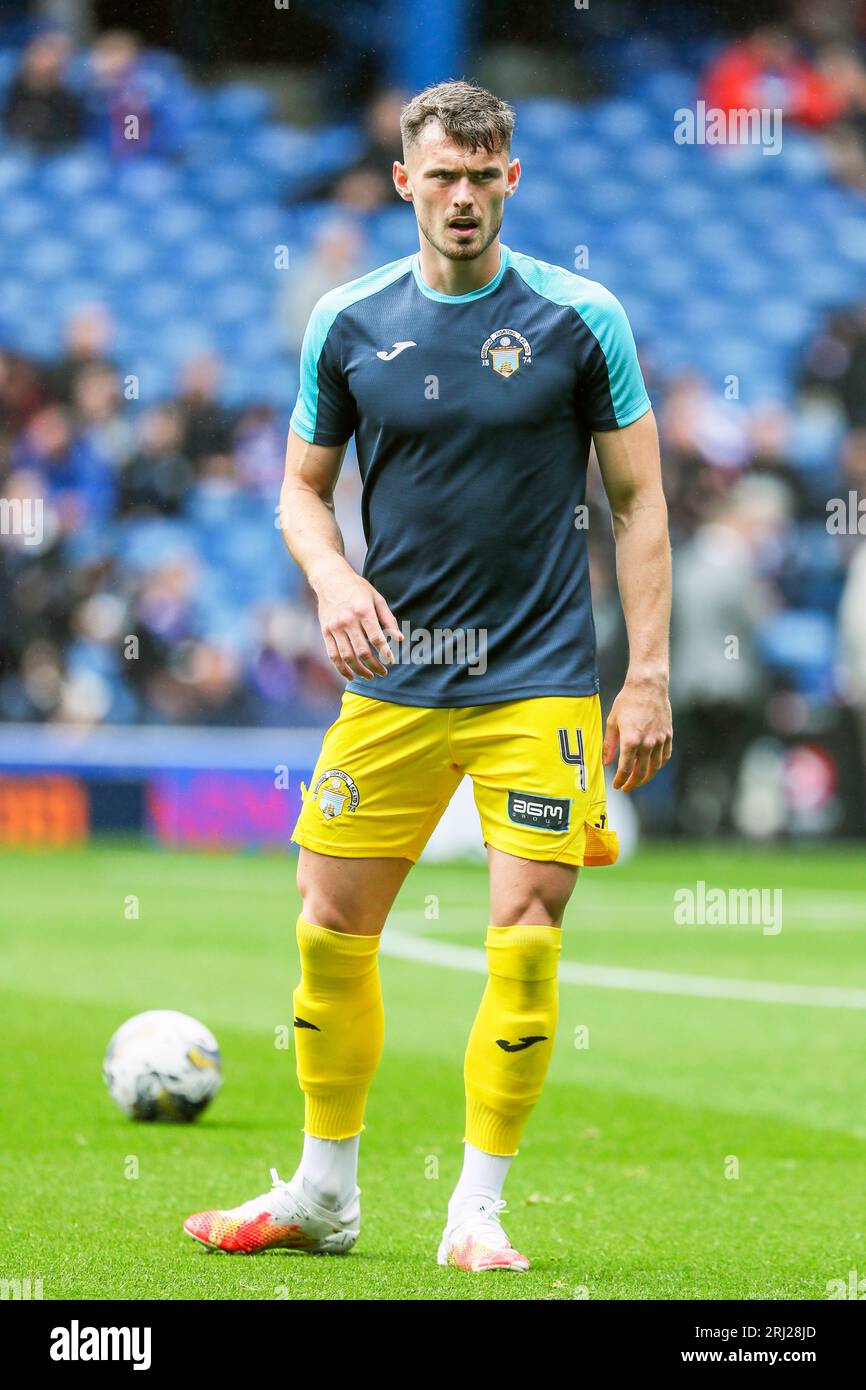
{"x":401,"y":180}
{"x":512,"y":177}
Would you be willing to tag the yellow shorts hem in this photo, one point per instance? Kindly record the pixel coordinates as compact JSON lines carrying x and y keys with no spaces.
{"x":353,"y":851}
{"x":589,"y":857}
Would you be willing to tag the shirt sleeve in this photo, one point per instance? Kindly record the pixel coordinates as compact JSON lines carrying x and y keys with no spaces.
{"x":611,"y":390}
{"x":324,"y":412}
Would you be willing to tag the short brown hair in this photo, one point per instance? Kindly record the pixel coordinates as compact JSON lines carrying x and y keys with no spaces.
{"x":470,"y":116}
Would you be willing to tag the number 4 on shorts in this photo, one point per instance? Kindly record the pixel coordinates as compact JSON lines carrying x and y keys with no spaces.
{"x":573,"y":756}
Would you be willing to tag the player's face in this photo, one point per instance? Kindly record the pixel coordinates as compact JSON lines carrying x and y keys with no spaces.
{"x":458,"y":194}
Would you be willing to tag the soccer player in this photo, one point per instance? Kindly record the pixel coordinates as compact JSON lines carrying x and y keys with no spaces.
{"x":473,"y":379}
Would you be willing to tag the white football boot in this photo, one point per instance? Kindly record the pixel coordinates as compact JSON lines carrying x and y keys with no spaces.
{"x":476,"y":1241}
{"x":285,"y":1218}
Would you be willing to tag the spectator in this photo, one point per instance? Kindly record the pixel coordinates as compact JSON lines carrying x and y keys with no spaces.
{"x":88,"y":333}
{"x":765,"y":70}
{"x":137,"y":104}
{"x":98,"y":413}
{"x":33,"y":691}
{"x":846,"y":139}
{"x":704,"y":446}
{"x":206,"y":426}
{"x":368,"y":184}
{"x":836,"y":361}
{"x":718,"y":682}
{"x":260,"y":448}
{"x":159,"y":474}
{"x":852,"y":632}
{"x":74,"y":474}
{"x":40,"y":108}
{"x":338,"y":254}
{"x":22,"y":392}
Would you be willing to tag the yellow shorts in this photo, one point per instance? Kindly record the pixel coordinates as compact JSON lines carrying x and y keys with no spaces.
{"x":386,"y":772}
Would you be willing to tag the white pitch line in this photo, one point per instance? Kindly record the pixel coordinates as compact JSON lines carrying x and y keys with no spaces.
{"x":428,"y":952}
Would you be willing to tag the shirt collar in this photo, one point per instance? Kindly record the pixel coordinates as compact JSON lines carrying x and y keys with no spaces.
{"x":460,"y":298}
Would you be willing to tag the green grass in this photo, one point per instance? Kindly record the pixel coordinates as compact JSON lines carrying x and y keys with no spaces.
{"x":619,"y":1190}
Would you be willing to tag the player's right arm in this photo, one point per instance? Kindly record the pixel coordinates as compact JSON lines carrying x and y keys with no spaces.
{"x":353,"y":616}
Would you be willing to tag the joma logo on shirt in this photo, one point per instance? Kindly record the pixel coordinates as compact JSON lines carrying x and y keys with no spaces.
{"x":396,"y":350}
{"x":540,"y":812}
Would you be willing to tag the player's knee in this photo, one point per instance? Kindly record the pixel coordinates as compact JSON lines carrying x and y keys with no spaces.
{"x":539,"y":904}
{"x":539,"y":911}
{"x":321,"y":907}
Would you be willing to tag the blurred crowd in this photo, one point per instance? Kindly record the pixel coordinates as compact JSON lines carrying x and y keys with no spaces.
{"x":59,"y":96}
{"x":768,"y":638}
{"x":811,"y":66}
{"x":159,"y":590}
{"x":156,"y":587}
{"x":749,"y":524}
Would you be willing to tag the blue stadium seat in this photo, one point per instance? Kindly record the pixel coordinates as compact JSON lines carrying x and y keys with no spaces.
{"x":77,"y":174}
{"x":98,"y":219}
{"x":545,"y":120}
{"x":147,"y":181}
{"x":47,"y":257}
{"x":179,"y":221}
{"x":21,"y":215}
{"x":800,"y":645}
{"x":10,"y":60}
{"x":622,"y":121}
{"x":238,"y":106}
{"x":667,"y":89}
{"x":147,"y":543}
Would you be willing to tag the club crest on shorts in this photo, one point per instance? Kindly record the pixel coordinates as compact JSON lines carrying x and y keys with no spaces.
{"x":333,"y":790}
{"x":503,"y":352}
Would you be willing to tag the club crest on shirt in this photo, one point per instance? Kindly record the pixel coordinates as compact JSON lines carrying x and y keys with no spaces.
{"x":506,"y":351}
{"x":333,"y":789}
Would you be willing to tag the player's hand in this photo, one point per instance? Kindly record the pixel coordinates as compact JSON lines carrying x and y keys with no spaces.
{"x":355,"y":621}
{"x":640,"y":725}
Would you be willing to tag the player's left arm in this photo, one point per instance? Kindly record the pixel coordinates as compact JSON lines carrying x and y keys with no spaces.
{"x":639,"y":722}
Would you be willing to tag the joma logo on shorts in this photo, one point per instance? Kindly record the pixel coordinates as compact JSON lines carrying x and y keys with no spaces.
{"x":541,"y":812}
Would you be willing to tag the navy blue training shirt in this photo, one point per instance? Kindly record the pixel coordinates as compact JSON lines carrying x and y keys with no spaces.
{"x":472,"y":417}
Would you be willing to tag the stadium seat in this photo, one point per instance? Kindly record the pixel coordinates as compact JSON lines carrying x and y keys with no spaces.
{"x":800,"y":646}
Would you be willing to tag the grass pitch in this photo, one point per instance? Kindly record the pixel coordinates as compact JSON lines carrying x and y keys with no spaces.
{"x":698,"y":1147}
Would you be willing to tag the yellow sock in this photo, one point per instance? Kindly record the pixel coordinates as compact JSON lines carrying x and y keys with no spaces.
{"x":519,"y":1008}
{"x":339,"y":1028}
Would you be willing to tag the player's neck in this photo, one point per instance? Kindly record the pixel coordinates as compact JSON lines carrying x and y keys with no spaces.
{"x":458,"y":277}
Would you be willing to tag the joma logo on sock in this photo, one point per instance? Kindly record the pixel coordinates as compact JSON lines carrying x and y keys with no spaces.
{"x":522,"y":1045}
{"x":77,"y":1343}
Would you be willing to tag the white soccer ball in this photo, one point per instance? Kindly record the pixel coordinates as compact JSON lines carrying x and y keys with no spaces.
{"x":162,"y":1065}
